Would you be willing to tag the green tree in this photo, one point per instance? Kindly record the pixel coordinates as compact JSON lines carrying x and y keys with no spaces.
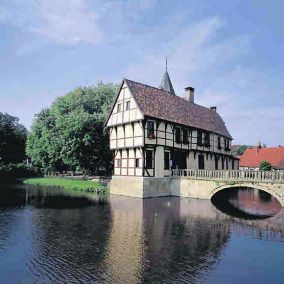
{"x":70,"y":134}
{"x":241,"y":149}
{"x":12,"y":139}
{"x":265,"y":166}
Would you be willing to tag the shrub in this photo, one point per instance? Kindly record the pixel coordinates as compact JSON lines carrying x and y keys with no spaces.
{"x":265,"y":166}
{"x":13,"y":171}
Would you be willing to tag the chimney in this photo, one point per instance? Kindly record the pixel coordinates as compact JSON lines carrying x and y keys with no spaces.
{"x":189,"y":94}
{"x":214,"y":108}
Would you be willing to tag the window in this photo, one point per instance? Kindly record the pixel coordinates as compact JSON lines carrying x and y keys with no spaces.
{"x":201,"y":164}
{"x":177,"y":135}
{"x":227,"y":145}
{"x":150,"y":129}
{"x":207,"y":140}
{"x":199,"y":138}
{"x":149,"y":159}
{"x":136,"y":163}
{"x":119,"y":163}
{"x":185,"y":136}
{"x":222,"y":163}
{"x":219,"y":143}
{"x":127,"y":106}
{"x":167,"y":161}
{"x":233,"y":164}
{"x":118,"y":107}
{"x":227,"y":164}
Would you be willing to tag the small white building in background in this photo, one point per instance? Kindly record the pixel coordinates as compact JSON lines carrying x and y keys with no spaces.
{"x":152,"y":130}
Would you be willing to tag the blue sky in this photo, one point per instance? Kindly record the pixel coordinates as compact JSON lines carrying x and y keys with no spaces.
{"x":230,"y":51}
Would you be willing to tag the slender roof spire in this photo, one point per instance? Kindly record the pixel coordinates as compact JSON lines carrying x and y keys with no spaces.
{"x":166,"y":83}
{"x":259,"y":144}
{"x":166,"y":63}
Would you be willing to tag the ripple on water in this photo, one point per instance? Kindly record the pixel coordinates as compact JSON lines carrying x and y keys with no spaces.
{"x":169,"y":240}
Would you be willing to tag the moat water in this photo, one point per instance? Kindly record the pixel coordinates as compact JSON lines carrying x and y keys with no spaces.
{"x":53,"y":236}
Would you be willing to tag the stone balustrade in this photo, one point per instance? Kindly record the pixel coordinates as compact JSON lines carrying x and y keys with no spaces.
{"x":231,"y":175}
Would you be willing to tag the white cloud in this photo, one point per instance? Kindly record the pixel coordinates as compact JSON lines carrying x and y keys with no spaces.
{"x":191,"y":51}
{"x":68,"y":22}
{"x":64,"y":22}
{"x":200,"y":57}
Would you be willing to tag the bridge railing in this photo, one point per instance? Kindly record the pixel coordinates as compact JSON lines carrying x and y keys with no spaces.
{"x":234,"y":175}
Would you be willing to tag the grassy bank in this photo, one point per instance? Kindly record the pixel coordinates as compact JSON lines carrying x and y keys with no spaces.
{"x":79,"y":185}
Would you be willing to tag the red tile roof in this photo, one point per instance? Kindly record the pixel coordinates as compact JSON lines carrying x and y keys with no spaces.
{"x":253,"y":157}
{"x":161,"y":104}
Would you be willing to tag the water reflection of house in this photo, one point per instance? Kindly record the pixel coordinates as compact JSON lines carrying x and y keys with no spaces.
{"x":172,"y":239}
{"x":156,"y":239}
{"x":125,"y":244}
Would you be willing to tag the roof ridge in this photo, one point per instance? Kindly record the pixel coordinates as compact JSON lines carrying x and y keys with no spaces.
{"x":147,"y":86}
{"x":267,"y":148}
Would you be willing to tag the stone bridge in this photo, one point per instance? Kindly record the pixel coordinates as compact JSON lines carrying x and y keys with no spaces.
{"x":203,"y":184}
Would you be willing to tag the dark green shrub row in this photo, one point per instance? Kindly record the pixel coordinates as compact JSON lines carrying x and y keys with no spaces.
{"x":16,"y":171}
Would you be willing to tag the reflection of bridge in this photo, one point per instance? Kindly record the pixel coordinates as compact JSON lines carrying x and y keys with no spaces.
{"x":204,"y":184}
{"x":153,"y":236}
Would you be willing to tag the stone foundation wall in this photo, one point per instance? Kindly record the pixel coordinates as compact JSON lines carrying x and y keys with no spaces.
{"x":145,"y":187}
{"x":128,"y":186}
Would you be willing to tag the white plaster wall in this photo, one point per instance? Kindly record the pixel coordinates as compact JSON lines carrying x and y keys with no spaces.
{"x":192,"y":162}
{"x":124,"y":115}
{"x":209,"y":162}
{"x":130,"y":135}
{"x":159,"y":161}
{"x":169,"y":136}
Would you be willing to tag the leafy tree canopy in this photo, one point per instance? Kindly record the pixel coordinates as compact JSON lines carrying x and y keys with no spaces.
{"x":265,"y":166}
{"x":70,"y":134}
{"x":241,"y":149}
{"x":12,"y":139}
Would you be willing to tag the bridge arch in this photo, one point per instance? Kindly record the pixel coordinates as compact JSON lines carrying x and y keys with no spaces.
{"x":265,"y":188}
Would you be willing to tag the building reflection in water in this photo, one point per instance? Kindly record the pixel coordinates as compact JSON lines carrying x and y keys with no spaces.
{"x":162,"y":238}
{"x":174,"y":239}
{"x":83,"y":238}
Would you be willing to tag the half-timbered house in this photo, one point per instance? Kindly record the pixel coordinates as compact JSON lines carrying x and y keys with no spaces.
{"x":152,"y":131}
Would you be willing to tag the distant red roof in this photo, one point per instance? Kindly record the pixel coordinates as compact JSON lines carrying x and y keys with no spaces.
{"x":253,"y":157}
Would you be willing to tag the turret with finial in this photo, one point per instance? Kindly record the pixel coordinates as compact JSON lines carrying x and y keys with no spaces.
{"x":166,"y":83}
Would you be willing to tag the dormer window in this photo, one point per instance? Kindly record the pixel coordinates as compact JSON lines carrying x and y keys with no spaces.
{"x":118,"y":107}
{"x":150,"y":129}
{"x":127,"y":105}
